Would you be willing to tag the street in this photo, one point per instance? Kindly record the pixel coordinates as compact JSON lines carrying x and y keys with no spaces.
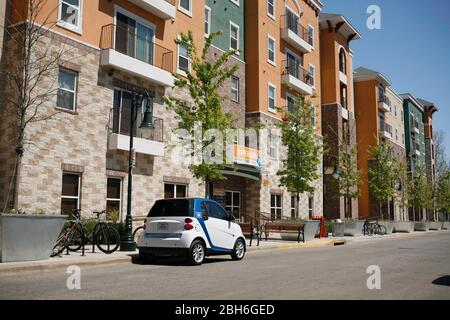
{"x":409,"y":266}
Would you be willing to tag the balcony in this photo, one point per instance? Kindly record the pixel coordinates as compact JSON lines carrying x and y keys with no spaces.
{"x":245,"y":156}
{"x":295,"y":34}
{"x":165,"y":9}
{"x":126,"y":51}
{"x":385,"y":130}
{"x":384,"y":104}
{"x":297,"y":77}
{"x":148,"y":143}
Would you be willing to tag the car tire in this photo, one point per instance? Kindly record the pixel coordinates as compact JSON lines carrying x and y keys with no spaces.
{"x":238,"y":250}
{"x":197,"y":253}
{"x":145,"y":257}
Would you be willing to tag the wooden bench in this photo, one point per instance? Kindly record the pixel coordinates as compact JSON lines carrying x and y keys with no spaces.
{"x":250,"y":230}
{"x":280,"y":227}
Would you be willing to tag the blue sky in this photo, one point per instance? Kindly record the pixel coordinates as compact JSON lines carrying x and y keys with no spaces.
{"x":412,"y":49}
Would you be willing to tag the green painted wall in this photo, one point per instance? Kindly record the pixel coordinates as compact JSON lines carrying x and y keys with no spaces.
{"x":411,"y":109}
{"x":222,"y":12}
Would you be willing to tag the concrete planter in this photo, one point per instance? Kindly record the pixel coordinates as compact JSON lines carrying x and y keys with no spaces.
{"x":353,"y":228}
{"x":422,"y":226}
{"x":311,"y":229}
{"x":446,"y":225}
{"x":338,"y":229}
{"x":28,"y":237}
{"x":389,"y":225}
{"x":404,"y":226}
{"x":435,"y":225}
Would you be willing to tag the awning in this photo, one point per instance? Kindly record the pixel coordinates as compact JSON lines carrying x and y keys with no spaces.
{"x":243,"y":171}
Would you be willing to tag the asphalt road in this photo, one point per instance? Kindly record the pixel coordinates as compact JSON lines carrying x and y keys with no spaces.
{"x":409,"y":266}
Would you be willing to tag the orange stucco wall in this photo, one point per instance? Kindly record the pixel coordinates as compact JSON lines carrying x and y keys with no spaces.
{"x":258,"y":27}
{"x":367,"y":132}
{"x":99,"y":13}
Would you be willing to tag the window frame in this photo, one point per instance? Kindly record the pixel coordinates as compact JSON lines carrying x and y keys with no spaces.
{"x":209,"y":15}
{"x":270,"y":38}
{"x":278,"y":206}
{"x":175,"y":186}
{"x":66,"y":25}
{"x":78,"y":197}
{"x":310,"y":27}
{"x":180,"y":71}
{"x":238,"y":90}
{"x":272,"y":16}
{"x":272,"y":146}
{"x":75,"y":90}
{"x":232,"y":24}
{"x":311,"y":206}
{"x":272,"y":86}
{"x":294,"y":213}
{"x":184,"y":10}
{"x":120,"y":200}
{"x":313,"y":77}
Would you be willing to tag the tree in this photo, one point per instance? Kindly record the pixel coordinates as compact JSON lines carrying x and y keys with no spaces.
{"x":443,"y":194}
{"x":418,"y":190}
{"x":203,"y":81}
{"x":382,"y":174}
{"x":442,"y":179}
{"x":401,"y":169}
{"x":304,"y":149}
{"x":29,"y":77}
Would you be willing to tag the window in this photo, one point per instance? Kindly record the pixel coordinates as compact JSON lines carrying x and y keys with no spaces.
{"x":70,"y":194}
{"x":291,"y":103}
{"x":173,"y":191}
{"x":67,"y":89}
{"x":233,"y":203}
{"x":311,"y":207}
{"x":70,"y":12}
{"x":272,"y":146}
{"x":314,"y":116}
{"x":343,"y":96}
{"x":276,"y":206}
{"x":172,"y":208}
{"x":271,"y":8}
{"x":184,"y":63}
{"x":134,"y":38}
{"x":234,"y":36}
{"x":403,"y":120}
{"x":207,"y":21}
{"x":272,"y":94}
{"x":312,"y":76}
{"x":271,"y":49}
{"x":235,"y":89}
{"x":311,"y":35}
{"x":395,"y":110}
{"x":294,"y":214}
{"x":396,"y":135}
{"x":215,"y":211}
{"x":122,"y":113}
{"x":185,"y":6}
{"x":114,"y":195}
{"x":342,"y":61}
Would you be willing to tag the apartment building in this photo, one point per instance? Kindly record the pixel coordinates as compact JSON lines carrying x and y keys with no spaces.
{"x":283,"y":62}
{"x":430,"y":152}
{"x":338,"y":110}
{"x":79,"y":157}
{"x":378,"y":118}
{"x":393,"y":133}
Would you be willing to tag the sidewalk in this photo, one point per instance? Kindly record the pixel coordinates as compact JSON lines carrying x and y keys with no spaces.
{"x":99,"y":258}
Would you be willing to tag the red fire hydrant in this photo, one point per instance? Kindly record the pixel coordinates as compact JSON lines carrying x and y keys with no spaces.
{"x":323,"y":229}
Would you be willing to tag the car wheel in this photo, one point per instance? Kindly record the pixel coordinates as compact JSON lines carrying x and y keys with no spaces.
{"x":197,"y":253}
{"x":238,"y":250}
{"x":145,"y":257}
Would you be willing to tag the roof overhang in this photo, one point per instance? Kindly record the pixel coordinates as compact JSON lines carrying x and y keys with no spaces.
{"x":341,"y":24}
{"x":417,"y":104}
{"x":316,"y":4}
{"x":378,"y":77}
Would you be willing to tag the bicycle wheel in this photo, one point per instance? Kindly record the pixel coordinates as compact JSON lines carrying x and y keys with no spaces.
{"x":61,"y":243}
{"x":137,"y":233}
{"x":107,"y":238}
{"x":76,"y":240}
{"x":381,"y":230}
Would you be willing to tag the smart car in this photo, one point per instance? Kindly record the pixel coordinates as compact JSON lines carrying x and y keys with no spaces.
{"x":194,"y":228}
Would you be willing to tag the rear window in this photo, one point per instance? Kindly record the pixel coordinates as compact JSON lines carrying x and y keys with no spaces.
{"x":172,"y":208}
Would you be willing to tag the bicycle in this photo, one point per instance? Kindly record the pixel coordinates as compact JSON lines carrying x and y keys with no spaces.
{"x":137,"y":233}
{"x":104,"y":236}
{"x":373,"y":227}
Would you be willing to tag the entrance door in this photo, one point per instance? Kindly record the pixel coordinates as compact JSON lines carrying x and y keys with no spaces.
{"x":233,"y":203}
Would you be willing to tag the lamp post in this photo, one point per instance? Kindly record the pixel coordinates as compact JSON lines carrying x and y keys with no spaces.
{"x":142,"y":99}
{"x":336,"y":170}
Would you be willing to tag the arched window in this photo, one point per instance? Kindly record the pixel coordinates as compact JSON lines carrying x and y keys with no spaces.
{"x":342,"y":61}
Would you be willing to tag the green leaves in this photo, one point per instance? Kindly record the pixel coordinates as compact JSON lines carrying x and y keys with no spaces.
{"x":304,"y":149}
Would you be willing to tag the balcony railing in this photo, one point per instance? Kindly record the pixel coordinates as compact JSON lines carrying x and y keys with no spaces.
{"x":136,"y":46}
{"x":291,"y":22}
{"x":121,"y":125}
{"x":295,"y":69}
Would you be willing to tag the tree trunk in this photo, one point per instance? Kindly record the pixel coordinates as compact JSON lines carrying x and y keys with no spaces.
{"x":380,"y":211}
{"x":297,"y":206}
{"x":345,"y":208}
{"x":17,"y":169}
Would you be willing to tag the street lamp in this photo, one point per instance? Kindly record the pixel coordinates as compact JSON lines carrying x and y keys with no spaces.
{"x":144,"y":100}
{"x":336,"y":171}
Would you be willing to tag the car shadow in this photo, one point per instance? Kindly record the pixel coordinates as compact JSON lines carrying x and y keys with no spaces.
{"x":173,"y":261}
{"x":442,"y":281}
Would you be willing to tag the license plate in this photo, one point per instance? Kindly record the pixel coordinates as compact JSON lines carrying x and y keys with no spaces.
{"x":164,"y":226}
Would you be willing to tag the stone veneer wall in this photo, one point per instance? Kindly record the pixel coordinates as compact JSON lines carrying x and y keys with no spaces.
{"x":79,"y":141}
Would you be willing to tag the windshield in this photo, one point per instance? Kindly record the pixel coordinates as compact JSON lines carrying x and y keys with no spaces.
{"x":172,"y":208}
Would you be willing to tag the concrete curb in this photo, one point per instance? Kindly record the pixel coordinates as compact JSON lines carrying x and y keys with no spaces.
{"x":313,"y":244}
